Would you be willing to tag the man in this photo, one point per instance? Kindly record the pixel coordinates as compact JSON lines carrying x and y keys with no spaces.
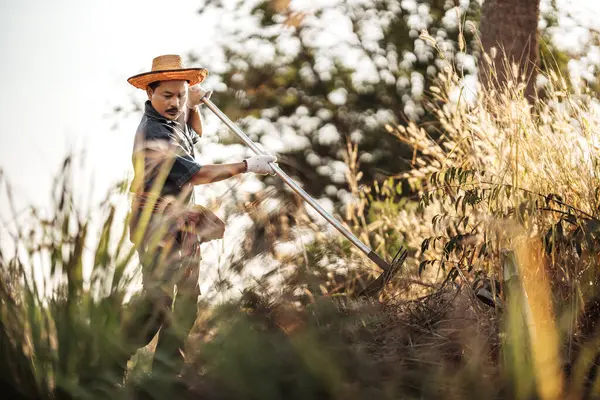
{"x":165,"y":225}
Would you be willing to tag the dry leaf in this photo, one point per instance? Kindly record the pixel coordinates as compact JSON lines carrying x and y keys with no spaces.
{"x":294,"y":19}
{"x":280,"y":6}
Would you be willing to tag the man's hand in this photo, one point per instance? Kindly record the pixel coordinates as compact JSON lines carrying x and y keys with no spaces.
{"x":260,"y":164}
{"x":195,"y":95}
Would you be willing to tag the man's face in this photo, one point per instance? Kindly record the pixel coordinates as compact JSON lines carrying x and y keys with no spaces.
{"x":169,"y":98}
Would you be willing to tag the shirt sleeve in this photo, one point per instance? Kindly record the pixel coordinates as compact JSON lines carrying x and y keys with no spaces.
{"x":193,"y":134}
{"x":162,"y":147}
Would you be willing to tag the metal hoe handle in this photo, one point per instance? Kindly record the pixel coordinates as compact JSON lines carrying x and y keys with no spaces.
{"x":290,"y":182}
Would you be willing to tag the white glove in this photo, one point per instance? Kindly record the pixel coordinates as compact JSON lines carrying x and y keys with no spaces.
{"x":260,"y":164}
{"x":195,"y":95}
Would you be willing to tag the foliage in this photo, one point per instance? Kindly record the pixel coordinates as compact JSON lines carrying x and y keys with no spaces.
{"x":508,"y":194}
{"x":339,"y":72}
{"x":61,"y":330}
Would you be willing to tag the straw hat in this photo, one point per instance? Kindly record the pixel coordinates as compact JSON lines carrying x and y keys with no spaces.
{"x":166,"y":68}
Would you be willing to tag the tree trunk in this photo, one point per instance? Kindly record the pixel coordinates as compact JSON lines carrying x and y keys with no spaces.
{"x":511,"y":27}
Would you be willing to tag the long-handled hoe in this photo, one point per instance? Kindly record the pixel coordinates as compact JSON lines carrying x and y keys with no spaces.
{"x":388,"y":269}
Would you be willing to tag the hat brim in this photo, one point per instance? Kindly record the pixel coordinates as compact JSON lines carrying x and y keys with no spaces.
{"x":192,"y":75}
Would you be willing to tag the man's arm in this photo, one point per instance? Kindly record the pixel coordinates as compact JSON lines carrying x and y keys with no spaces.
{"x":217,"y":172}
{"x":193,"y":119}
{"x":259,"y":164}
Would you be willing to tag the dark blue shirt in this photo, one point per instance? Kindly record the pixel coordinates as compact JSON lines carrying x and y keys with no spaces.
{"x":163,"y":144}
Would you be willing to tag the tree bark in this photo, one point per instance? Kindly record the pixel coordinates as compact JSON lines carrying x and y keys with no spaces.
{"x":511,"y":27}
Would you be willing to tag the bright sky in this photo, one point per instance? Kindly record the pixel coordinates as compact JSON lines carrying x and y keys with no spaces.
{"x":65,"y":65}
